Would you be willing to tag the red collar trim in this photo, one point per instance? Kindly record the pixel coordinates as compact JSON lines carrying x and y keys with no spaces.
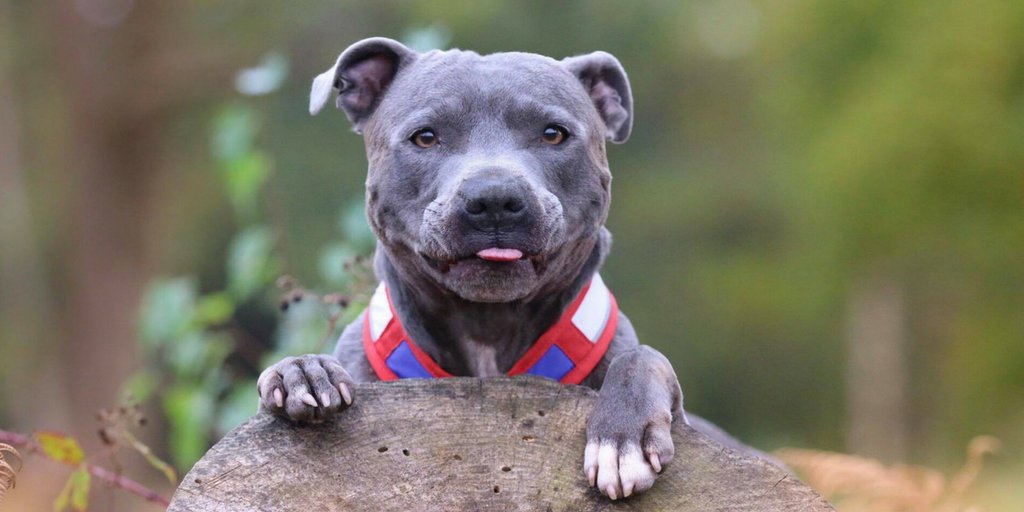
{"x":567,"y":352}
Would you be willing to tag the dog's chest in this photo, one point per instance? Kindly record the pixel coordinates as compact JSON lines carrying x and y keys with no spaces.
{"x":482,"y":359}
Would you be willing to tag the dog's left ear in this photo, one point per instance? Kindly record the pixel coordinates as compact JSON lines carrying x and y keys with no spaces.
{"x":604,"y":79}
{"x":360,"y":78}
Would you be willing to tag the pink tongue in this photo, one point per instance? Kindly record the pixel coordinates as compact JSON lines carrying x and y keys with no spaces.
{"x":496,"y":254}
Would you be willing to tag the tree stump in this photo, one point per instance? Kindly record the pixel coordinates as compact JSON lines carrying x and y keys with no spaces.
{"x":464,"y":444}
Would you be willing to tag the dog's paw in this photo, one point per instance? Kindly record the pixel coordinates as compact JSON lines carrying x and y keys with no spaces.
{"x":307,"y":388}
{"x":625,"y":452}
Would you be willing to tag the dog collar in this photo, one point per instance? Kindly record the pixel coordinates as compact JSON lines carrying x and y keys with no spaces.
{"x":567,"y":352}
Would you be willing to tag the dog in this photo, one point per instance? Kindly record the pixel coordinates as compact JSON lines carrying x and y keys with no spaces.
{"x":488,"y":189}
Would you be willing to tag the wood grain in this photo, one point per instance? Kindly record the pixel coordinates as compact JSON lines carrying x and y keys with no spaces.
{"x":463,"y":444}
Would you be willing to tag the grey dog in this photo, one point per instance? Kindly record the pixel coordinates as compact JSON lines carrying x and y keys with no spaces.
{"x":488,"y":189}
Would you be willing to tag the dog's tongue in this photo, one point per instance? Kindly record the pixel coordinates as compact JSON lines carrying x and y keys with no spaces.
{"x":498,"y":254}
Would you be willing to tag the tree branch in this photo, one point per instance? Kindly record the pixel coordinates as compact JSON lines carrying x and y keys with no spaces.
{"x":110,"y":477}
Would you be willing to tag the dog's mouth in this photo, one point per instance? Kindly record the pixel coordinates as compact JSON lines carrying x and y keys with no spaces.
{"x":495,"y":258}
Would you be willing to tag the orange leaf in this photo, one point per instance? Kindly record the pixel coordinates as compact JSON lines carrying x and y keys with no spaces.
{"x":60,"y":447}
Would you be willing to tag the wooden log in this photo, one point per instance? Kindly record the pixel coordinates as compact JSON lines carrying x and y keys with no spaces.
{"x":464,"y":444}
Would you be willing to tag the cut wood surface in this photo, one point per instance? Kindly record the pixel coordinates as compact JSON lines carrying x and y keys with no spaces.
{"x":464,"y":444}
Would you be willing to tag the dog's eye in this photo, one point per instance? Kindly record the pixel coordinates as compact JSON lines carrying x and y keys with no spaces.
{"x":424,"y":138}
{"x":555,"y":134}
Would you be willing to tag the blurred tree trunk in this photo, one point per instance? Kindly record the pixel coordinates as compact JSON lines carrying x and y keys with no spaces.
{"x":26,"y":305}
{"x":125,"y":78}
{"x":120,"y":78}
{"x":876,"y":378}
{"x":112,"y":154}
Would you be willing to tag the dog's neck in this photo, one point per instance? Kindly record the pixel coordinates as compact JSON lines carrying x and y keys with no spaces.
{"x":483,"y":339}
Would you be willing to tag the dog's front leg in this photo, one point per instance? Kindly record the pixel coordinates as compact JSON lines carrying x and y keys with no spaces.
{"x":629,"y":436}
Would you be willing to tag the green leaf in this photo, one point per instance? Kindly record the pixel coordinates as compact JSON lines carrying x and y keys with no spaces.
{"x":234,"y":130}
{"x":167,"y":310}
{"x":196,"y":354}
{"x":240,"y":404}
{"x":189,"y":410}
{"x":332,"y":264}
{"x":140,"y":386}
{"x":302,"y":328}
{"x":264,"y":78}
{"x":214,"y":309}
{"x":184,"y":358}
{"x":60,"y":447}
{"x":355,"y":228}
{"x":80,"y":483}
{"x":244,"y":177}
{"x":75,"y":494}
{"x":250,"y":264}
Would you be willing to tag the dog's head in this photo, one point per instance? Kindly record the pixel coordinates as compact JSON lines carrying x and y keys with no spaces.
{"x":487,"y":174}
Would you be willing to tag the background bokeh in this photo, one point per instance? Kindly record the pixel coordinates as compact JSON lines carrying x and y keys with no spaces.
{"x":819,"y":217}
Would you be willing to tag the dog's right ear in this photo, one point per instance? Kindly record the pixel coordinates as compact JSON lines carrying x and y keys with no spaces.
{"x":359,"y":78}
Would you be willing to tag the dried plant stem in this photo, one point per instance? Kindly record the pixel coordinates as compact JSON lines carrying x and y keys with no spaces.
{"x":7,"y":472}
{"x":103,"y":474}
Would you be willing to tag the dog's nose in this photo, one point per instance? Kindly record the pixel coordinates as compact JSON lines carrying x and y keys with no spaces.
{"x":493,"y":201}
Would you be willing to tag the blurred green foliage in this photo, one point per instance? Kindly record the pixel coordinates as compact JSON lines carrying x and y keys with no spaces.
{"x":911,"y":130}
{"x":187,"y":335}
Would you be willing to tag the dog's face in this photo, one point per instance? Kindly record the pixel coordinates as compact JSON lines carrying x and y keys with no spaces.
{"x":487,"y":174}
